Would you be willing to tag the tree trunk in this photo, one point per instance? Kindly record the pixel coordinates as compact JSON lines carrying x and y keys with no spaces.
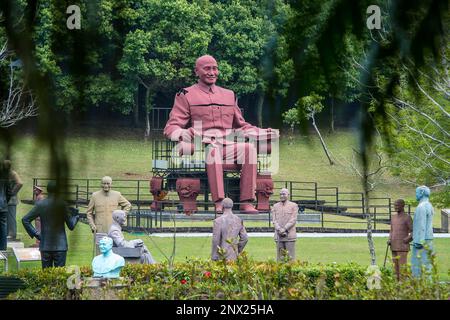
{"x":369,"y":224}
{"x":136,"y":109}
{"x":259,"y":109}
{"x":147,"y":124}
{"x":322,"y":141}
{"x":148,"y":108}
{"x":332,"y":116}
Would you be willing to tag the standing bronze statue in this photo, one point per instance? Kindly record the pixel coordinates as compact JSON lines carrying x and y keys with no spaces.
{"x":400,"y":236}
{"x":15,"y":185}
{"x":284,"y":217}
{"x":54,"y":214}
{"x":229,"y":234}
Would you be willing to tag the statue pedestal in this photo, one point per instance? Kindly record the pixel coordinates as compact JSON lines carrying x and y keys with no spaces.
{"x":102,"y":288}
{"x":188,"y":190}
{"x":156,"y":184}
{"x":264,"y":189}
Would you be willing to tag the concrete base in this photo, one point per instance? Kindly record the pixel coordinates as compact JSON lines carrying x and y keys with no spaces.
{"x":102,"y":288}
{"x":15,"y":244}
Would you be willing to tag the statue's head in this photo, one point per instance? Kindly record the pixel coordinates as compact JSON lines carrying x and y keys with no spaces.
{"x":207,"y":70}
{"x":106,"y":183}
{"x":119,"y":216}
{"x":284,"y":194}
{"x":37,"y":190}
{"x":51,"y":187}
{"x":105,"y":244}
{"x":421,"y":192}
{"x":227,"y":203}
{"x":399,"y":205}
{"x":7,"y":165}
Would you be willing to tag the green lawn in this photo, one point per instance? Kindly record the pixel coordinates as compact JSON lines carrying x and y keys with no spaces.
{"x":124,"y":155}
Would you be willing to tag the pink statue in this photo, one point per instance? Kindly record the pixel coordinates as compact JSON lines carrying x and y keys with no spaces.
{"x":207,"y":111}
{"x":156,"y":184}
{"x":264,"y":189}
{"x":188,"y":190}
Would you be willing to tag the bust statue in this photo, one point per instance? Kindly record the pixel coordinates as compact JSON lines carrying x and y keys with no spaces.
{"x":108,"y":264}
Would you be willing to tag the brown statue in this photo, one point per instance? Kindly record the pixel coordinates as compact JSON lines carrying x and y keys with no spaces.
{"x":400,"y":236}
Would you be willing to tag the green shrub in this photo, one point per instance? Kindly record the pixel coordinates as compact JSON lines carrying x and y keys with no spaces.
{"x":243,"y":279}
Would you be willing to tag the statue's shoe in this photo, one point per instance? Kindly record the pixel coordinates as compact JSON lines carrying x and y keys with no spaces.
{"x":248,"y":208}
{"x":219,"y":207}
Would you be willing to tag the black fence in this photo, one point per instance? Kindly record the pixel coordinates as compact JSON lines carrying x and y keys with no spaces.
{"x":320,"y":207}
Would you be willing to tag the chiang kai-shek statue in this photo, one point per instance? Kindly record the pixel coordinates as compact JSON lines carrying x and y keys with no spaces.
{"x":209,"y":112}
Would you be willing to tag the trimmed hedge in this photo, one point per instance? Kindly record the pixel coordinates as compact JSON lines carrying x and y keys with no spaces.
{"x":243,"y":279}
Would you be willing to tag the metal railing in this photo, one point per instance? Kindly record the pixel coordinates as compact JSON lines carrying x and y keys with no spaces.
{"x":341,"y":210}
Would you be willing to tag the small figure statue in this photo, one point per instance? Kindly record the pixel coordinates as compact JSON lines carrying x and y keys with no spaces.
{"x":400,"y":236}
{"x":229,"y":234}
{"x":284,"y":215}
{"x":15,"y":185}
{"x":422,"y":232}
{"x":108,"y":264}
{"x":115,"y":233}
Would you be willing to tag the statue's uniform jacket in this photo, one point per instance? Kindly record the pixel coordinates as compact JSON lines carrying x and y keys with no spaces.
{"x":423,"y":222}
{"x":401,"y":227}
{"x":285,"y":216}
{"x":216,"y":108}
{"x":101,"y":206}
{"x":230,"y":235}
{"x":218,"y":112}
{"x":422,"y":235}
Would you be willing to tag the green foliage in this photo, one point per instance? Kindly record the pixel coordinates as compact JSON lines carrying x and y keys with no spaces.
{"x":291,"y":118}
{"x":243,"y":279}
{"x":310,"y":105}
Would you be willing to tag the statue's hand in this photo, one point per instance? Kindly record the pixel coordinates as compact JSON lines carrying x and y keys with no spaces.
{"x":186,"y":135}
{"x":138,"y":243}
{"x":417,"y":246}
{"x":93,"y":229}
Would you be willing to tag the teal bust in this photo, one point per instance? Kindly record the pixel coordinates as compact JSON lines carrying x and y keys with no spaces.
{"x":108,"y":264}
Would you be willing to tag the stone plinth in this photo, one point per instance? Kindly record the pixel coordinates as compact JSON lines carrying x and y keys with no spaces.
{"x":102,"y":288}
{"x":445,"y":220}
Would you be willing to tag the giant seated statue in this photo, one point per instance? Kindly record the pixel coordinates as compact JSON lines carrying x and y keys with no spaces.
{"x":209,"y":113}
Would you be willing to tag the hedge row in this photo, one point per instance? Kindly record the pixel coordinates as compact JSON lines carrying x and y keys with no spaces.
{"x":243,"y":279}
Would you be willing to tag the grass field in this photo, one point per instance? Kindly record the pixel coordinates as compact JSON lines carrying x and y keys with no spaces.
{"x":124,"y":155}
